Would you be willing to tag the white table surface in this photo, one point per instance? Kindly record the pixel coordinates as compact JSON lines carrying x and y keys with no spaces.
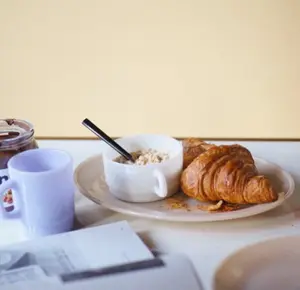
{"x":207,"y":244}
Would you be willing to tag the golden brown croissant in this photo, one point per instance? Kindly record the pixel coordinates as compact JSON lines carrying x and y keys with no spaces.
{"x":192,"y":148}
{"x":226,"y":173}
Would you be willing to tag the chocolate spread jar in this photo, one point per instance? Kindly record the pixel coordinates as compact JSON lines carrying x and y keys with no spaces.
{"x":15,"y":136}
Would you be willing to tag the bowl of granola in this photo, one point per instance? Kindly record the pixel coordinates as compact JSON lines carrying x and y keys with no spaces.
{"x":155,"y":172}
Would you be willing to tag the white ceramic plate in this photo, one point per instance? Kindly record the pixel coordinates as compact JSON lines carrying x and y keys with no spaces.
{"x":269,"y":265}
{"x":89,"y":178}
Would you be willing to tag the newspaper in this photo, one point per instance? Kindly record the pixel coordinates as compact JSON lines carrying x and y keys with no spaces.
{"x":167,"y":272}
{"x":92,"y":248}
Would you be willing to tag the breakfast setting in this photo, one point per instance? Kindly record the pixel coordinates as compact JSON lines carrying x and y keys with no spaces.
{"x":153,"y":177}
{"x":150,"y":145}
{"x":156,"y":176}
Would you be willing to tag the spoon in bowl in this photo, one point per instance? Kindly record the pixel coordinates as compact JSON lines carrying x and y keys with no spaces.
{"x":99,"y":133}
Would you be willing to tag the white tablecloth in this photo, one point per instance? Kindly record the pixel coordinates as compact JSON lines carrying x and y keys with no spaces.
{"x":207,"y":244}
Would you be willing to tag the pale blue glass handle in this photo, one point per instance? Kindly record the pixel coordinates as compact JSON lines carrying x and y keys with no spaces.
{"x":10,"y":184}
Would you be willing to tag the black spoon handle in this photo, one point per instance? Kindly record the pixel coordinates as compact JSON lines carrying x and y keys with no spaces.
{"x":98,"y":132}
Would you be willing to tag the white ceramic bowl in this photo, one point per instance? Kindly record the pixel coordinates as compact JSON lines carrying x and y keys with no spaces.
{"x":144,"y":183}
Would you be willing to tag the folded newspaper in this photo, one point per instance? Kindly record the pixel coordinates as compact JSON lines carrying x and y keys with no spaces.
{"x":91,"y":248}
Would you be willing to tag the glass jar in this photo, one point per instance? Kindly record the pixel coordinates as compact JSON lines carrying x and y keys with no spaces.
{"x":15,"y":136}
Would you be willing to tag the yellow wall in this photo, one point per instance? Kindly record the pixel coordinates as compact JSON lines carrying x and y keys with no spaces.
{"x":213,"y":68}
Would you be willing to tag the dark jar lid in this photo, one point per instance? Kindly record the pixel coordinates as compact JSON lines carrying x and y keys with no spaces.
{"x":15,"y":133}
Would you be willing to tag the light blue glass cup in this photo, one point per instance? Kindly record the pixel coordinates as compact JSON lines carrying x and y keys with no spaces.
{"x":43,"y":191}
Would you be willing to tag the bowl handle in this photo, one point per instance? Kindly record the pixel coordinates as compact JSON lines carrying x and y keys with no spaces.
{"x":162,"y":188}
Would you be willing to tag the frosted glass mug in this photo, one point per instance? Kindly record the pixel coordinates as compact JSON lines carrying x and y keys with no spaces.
{"x":42,"y":180}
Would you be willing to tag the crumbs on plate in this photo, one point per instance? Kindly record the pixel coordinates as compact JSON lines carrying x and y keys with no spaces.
{"x":177,"y":203}
{"x":180,"y":201}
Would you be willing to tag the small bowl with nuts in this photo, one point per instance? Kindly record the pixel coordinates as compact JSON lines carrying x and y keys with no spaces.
{"x":153,"y":175}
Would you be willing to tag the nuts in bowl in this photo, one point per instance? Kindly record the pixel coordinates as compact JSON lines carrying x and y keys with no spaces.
{"x":144,"y":157}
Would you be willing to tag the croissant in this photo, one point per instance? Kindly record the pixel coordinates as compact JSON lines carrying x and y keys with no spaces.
{"x":227,"y":173}
{"x":192,"y":148}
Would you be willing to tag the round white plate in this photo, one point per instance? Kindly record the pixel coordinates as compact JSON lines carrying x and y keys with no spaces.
{"x":269,"y":265}
{"x":89,"y":178}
